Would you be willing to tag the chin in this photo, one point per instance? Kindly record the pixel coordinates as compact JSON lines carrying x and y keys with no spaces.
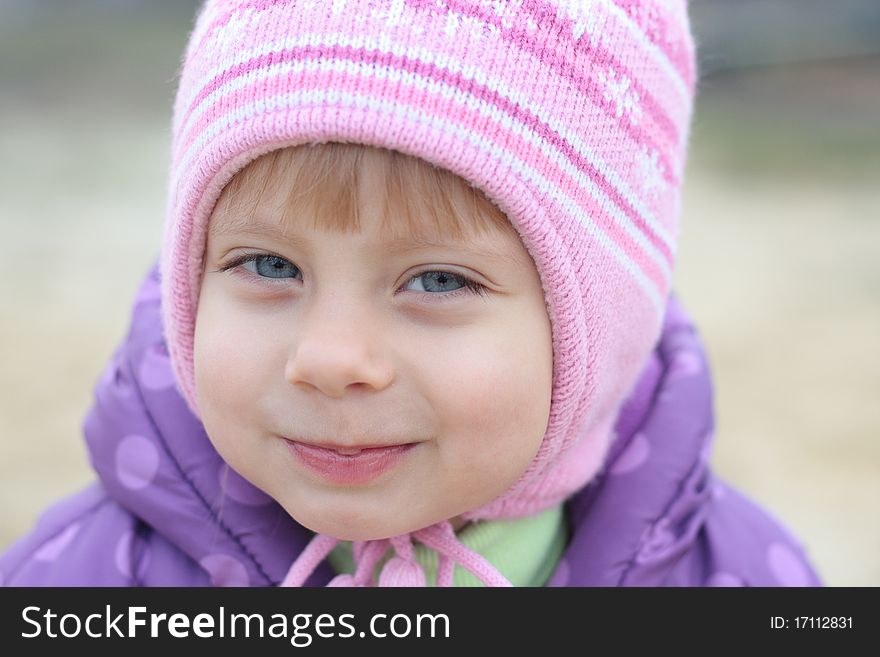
{"x":347,"y":528}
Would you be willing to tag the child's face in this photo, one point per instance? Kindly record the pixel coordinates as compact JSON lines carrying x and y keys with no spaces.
{"x":345,"y":339}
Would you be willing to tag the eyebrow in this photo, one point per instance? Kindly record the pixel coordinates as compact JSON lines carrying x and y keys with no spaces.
{"x":256,"y":229}
{"x":392,"y":246}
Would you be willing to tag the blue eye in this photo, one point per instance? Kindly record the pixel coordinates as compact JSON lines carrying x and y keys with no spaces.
{"x":269,"y":266}
{"x":439,"y":281}
{"x":443,"y":284}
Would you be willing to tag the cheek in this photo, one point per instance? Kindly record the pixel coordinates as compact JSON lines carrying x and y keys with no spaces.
{"x":214,"y":360}
{"x":228,"y":358}
{"x":496,"y":392}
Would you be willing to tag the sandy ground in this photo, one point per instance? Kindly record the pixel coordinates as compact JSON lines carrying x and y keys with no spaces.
{"x":782,"y":278}
{"x":787,"y":302}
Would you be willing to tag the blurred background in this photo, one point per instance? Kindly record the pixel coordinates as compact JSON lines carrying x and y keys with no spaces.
{"x":779,"y":262}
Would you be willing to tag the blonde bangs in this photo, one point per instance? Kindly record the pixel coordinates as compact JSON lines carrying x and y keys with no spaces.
{"x":420,"y":201}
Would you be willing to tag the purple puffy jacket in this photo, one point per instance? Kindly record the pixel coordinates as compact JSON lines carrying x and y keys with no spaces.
{"x":167,"y":511}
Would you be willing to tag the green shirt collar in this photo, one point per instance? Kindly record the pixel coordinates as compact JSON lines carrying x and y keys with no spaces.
{"x":524,"y":550}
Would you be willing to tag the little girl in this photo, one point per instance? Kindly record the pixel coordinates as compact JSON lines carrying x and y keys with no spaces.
{"x":412,"y":321}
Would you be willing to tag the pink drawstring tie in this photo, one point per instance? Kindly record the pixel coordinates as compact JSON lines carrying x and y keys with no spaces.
{"x":402,"y":569}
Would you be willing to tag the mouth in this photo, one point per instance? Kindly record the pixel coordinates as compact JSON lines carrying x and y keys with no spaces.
{"x":348,"y":464}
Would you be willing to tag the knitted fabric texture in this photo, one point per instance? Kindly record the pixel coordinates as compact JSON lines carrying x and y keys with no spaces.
{"x":571,"y":116}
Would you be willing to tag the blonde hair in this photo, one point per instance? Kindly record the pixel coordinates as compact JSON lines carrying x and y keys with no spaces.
{"x":322,"y":180}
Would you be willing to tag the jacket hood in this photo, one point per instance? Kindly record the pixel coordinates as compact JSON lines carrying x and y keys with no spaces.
{"x":643,"y":509}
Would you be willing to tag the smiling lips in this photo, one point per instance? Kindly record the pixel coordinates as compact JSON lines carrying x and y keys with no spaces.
{"x":348,"y":465}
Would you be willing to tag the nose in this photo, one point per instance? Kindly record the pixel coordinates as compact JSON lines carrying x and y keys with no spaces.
{"x":334,"y":353}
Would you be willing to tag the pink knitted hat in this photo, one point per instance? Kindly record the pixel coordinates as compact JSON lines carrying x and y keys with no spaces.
{"x":572,"y":116}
